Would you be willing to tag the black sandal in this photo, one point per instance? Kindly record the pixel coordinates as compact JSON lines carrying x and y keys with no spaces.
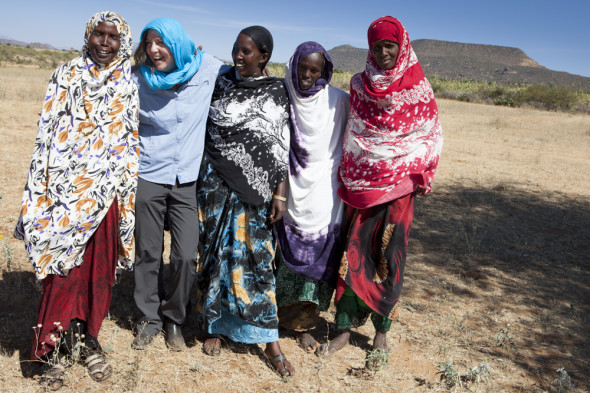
{"x":53,"y":379}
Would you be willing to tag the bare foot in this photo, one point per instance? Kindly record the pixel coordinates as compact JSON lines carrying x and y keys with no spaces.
{"x":278,"y":360}
{"x":307,"y":342}
{"x":380,"y":341}
{"x":212,"y":346}
{"x":329,"y":348}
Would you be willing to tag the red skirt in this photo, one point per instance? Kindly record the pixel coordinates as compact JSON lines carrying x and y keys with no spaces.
{"x":85,"y":293}
{"x":375,"y":253}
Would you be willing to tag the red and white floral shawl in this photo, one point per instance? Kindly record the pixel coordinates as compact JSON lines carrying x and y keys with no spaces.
{"x":393,"y":137}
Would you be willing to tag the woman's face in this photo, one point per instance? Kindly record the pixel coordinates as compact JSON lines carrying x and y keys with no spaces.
{"x":309,"y":69}
{"x":158,"y":53}
{"x":385,"y":53}
{"x":247,"y":57}
{"x":104,"y":42}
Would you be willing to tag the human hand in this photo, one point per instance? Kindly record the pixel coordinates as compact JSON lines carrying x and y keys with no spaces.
{"x":277,"y":210}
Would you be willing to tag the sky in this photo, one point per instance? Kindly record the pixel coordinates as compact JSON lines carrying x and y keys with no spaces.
{"x":556,"y":34}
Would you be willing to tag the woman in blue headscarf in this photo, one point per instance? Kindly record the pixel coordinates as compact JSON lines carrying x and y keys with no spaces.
{"x":175,"y":82}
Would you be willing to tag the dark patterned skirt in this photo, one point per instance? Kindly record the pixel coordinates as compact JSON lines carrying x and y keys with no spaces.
{"x":84,"y":294}
{"x":375,"y":254}
{"x":235,"y":280}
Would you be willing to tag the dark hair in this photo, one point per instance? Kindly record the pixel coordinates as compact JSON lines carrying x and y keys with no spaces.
{"x":140,"y":56}
{"x":262,"y":38}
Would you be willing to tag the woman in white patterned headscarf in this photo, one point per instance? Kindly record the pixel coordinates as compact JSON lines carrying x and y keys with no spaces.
{"x":77,"y":216}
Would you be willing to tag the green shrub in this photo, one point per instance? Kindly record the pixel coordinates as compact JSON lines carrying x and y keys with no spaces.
{"x":463,"y":97}
{"x":504,"y":101}
{"x":276,"y":69}
{"x":549,"y":97}
{"x":495,"y":92}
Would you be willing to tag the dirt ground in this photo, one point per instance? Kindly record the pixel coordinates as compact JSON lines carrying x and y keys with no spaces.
{"x":497,"y":284}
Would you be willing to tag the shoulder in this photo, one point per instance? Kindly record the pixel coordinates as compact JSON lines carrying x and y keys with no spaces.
{"x":136,"y":75}
{"x":340,"y":94}
{"x":276,"y":86}
{"x":277,"y":83}
{"x":213,"y":64}
{"x":67,"y":68}
{"x":338,"y":98}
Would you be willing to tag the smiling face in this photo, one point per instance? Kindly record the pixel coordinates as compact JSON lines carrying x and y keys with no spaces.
{"x":309,"y":69}
{"x":158,"y":53}
{"x":104,"y":42}
{"x":385,"y":53}
{"x":248,"y":59}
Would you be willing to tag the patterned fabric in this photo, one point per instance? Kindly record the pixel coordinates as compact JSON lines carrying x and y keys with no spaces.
{"x":240,"y":331}
{"x":310,"y":233}
{"x":85,"y":156}
{"x":84,"y":294}
{"x":375,"y":254}
{"x":393,"y":138}
{"x":234,"y":271}
{"x":248,"y":135}
{"x":187,"y":58}
{"x":300,"y":299}
{"x":352,"y":312}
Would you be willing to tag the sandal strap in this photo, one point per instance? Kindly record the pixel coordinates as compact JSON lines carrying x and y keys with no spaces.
{"x":96,"y":363}
{"x":55,"y":372}
{"x":279,"y":358}
{"x":94,"y":359}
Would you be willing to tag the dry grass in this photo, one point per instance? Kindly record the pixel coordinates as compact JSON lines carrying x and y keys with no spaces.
{"x":498,"y":271}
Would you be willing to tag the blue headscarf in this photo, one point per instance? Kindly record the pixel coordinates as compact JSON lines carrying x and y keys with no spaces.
{"x":182,"y":47}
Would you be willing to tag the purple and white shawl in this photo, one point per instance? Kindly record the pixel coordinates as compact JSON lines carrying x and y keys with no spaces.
{"x":310,"y":233}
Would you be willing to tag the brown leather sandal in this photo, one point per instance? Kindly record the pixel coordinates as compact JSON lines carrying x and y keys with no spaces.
{"x":98,"y":367}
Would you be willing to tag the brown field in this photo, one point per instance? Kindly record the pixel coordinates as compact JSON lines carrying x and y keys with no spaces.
{"x":498,"y":272}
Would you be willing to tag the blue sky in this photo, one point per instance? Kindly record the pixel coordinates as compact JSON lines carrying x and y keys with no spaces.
{"x":554,"y":33}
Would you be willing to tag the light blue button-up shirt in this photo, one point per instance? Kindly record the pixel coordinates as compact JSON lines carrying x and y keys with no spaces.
{"x":172,"y":125}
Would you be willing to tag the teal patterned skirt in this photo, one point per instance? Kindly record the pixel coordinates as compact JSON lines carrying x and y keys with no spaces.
{"x":235,"y":280}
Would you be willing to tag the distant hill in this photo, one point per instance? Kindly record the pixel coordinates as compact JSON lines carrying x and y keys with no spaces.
{"x":348,"y":58}
{"x":454,"y":60}
{"x":36,"y":45}
{"x":29,"y":56}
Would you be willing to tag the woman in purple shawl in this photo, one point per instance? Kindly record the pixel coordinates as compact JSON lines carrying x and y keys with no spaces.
{"x":309,"y":234}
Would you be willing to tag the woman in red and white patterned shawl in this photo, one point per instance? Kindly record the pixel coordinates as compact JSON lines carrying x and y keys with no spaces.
{"x":391,"y":149}
{"x":78,"y":209}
